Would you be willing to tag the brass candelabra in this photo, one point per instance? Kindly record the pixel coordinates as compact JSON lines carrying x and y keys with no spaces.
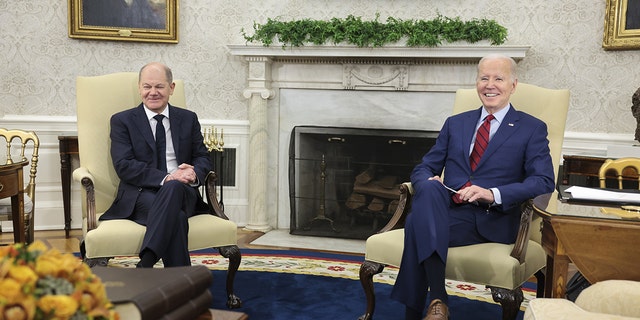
{"x":212,"y":140}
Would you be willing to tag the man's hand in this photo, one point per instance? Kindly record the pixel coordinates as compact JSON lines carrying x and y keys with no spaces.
{"x":184,"y":174}
{"x":474,"y":193}
{"x":471,"y":193}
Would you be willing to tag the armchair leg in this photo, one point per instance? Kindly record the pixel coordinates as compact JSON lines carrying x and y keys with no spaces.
{"x":83,"y":250}
{"x":234,"y":256}
{"x":510,"y":300}
{"x":540,"y":276}
{"x":367,"y":270}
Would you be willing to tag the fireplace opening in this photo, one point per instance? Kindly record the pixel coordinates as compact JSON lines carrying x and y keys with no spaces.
{"x":344,"y":182}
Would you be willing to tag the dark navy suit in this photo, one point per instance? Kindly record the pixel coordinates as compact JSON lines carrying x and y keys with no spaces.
{"x":516,"y":161}
{"x":163,"y":209}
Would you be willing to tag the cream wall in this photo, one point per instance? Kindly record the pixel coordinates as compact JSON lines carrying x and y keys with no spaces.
{"x":39,"y":64}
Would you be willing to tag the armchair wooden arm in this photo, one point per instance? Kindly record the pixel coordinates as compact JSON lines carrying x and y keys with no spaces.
{"x":519,"y":251}
{"x":212,"y":198}
{"x":86,"y":179}
{"x":401,"y":212}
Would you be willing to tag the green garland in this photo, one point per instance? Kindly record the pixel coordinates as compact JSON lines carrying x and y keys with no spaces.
{"x":353,"y":30}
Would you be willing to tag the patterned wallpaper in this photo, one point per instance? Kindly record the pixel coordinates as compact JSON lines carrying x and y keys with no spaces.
{"x":39,"y":62}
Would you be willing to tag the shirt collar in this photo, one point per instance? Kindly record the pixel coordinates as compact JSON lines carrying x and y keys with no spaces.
{"x":150,"y":114}
{"x":498,"y":115}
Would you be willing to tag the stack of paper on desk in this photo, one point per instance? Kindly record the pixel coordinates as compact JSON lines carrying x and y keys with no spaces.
{"x":595,"y":194}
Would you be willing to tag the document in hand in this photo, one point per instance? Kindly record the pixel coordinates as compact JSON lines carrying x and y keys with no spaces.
{"x":597,"y":195}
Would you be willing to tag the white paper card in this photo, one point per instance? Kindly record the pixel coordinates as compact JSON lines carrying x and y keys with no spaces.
{"x":602,"y":195}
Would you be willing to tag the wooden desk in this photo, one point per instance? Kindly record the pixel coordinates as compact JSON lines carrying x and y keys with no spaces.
{"x":601,"y":246}
{"x":585,"y":167}
{"x":12,"y":185}
{"x":68,"y":145}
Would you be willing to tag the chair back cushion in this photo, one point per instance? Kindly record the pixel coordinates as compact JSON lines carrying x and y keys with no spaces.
{"x":548,"y":105}
{"x":610,"y":299}
{"x":97,"y":99}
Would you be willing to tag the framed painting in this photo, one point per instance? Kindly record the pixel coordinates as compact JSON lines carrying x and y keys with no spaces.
{"x":124,"y":20}
{"x":622,"y":25}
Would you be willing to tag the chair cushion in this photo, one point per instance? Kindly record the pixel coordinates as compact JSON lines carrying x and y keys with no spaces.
{"x":468,"y":263}
{"x":5,"y":206}
{"x":563,"y":309}
{"x":619,"y":297}
{"x":385,"y":248}
{"x":124,"y":237}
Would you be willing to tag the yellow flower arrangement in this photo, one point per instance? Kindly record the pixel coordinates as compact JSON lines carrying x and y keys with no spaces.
{"x":41,"y":283}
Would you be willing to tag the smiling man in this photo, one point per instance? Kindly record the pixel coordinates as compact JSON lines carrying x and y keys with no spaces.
{"x":497,"y":158}
{"x":158,"y":153}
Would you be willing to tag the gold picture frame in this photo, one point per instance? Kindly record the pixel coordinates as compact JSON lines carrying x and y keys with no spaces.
{"x":124,"y":20}
{"x":622,"y":25}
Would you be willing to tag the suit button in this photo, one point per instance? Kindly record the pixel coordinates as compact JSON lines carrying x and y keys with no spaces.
{"x":139,"y":189}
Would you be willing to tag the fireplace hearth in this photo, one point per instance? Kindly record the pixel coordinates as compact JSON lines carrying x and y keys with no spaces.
{"x":344,"y":182}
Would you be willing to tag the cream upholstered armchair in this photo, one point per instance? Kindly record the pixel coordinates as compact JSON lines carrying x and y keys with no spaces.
{"x":98,"y":98}
{"x":27,"y":142}
{"x":609,"y":299}
{"x":503,"y":268}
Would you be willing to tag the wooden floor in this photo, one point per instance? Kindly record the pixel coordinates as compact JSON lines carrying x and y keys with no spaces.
{"x":56,"y":239}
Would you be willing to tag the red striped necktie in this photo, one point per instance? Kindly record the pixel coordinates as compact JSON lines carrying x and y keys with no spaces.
{"x":482,"y":140}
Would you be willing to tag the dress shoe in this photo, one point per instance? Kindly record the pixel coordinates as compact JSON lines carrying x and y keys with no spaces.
{"x":437,"y":311}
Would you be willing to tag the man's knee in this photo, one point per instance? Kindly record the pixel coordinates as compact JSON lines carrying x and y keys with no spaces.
{"x":431,"y":189}
{"x":172,"y":184}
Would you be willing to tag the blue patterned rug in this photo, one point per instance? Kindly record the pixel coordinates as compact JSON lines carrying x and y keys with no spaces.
{"x":285,"y":284}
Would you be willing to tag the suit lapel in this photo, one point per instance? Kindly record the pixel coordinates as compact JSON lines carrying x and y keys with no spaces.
{"x":142,"y":124}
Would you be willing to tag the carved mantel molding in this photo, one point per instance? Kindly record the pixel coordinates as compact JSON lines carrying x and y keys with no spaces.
{"x":340,"y":67}
{"x":472,"y":52}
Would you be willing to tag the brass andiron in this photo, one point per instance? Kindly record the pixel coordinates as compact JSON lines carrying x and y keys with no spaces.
{"x":215,"y":142}
{"x":321,"y":216}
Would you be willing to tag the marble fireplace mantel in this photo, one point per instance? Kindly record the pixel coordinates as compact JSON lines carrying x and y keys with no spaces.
{"x":339,"y":51}
{"x":335,"y":69}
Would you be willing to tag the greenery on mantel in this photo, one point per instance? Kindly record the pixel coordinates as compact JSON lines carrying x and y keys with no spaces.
{"x":355,"y":31}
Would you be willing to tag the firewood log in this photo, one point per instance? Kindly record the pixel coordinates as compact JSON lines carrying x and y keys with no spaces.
{"x":376,"y":204}
{"x":356,"y":201}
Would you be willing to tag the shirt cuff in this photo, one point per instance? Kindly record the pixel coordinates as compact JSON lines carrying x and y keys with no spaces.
{"x":497,"y":198}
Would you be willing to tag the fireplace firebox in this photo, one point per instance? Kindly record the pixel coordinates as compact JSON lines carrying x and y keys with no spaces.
{"x":344,"y":182}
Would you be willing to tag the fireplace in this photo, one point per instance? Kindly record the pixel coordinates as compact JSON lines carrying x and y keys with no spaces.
{"x":344,"y":182}
{"x":342,"y":86}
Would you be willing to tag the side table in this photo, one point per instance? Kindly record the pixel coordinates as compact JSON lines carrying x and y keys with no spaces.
{"x":601,"y":246}
{"x":68,"y":145}
{"x":12,"y":185}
